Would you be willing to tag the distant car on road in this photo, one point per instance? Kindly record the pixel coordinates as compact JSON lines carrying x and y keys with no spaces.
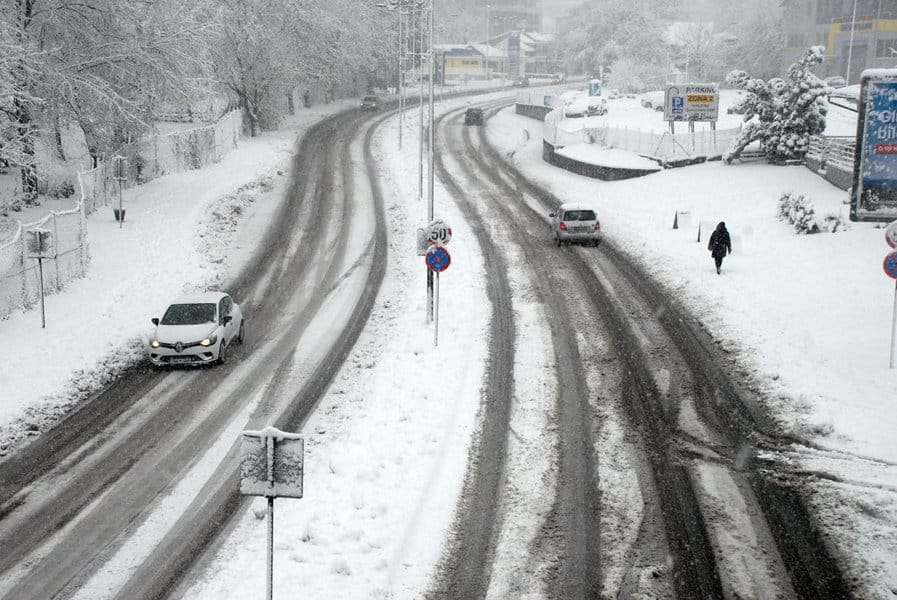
{"x":370,"y":103}
{"x":586,"y":106}
{"x":521,"y":82}
{"x":835,"y":81}
{"x":196,"y":330}
{"x":575,"y":222}
{"x":473,"y":116}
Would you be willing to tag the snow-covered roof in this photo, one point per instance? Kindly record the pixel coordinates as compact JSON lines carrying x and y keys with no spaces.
{"x":492,"y":50}
{"x":539,"y":37}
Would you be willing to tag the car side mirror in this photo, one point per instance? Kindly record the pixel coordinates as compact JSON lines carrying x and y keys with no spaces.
{"x":155,"y":321}
{"x":227,"y":319}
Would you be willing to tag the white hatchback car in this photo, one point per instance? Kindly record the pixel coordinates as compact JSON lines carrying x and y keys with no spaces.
{"x":574,"y":222}
{"x":196,"y":330}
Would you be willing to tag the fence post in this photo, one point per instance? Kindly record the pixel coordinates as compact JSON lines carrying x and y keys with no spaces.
{"x":56,"y":247}
{"x":24,"y":266}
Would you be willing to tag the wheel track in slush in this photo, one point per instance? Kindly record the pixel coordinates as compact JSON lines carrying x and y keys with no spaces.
{"x":465,"y":572}
{"x":723,"y":404}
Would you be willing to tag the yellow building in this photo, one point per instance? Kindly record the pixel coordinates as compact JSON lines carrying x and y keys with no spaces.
{"x":868,"y":40}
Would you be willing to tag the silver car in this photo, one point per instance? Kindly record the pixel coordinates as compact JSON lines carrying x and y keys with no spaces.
{"x":573,"y":222}
{"x":196,"y":330}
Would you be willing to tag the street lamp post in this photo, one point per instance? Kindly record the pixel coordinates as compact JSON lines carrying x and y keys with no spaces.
{"x":853,"y":26}
{"x":487,"y":76}
{"x":430,"y":154}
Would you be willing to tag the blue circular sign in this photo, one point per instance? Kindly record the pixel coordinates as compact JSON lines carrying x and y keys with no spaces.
{"x":890,"y":265}
{"x":438,"y":259}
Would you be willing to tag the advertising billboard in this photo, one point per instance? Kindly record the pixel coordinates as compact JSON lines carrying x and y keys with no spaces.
{"x":874,"y":191}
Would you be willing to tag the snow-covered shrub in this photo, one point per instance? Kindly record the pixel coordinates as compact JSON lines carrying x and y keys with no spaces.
{"x":57,"y":180}
{"x":799,"y":211}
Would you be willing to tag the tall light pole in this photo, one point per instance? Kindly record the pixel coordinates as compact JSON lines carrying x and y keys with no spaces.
{"x":487,"y":76}
{"x":430,"y":154}
{"x":853,"y":26}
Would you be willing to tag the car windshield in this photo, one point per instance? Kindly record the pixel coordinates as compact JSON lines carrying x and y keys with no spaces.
{"x":474,"y":111}
{"x":370,"y":98}
{"x":189,"y":314}
{"x":579,"y":215}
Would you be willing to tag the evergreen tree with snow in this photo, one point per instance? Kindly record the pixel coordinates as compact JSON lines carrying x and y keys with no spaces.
{"x":782,"y":114}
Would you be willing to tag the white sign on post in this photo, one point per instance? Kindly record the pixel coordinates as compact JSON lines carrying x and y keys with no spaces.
{"x":438,"y":233}
{"x":271,"y":465}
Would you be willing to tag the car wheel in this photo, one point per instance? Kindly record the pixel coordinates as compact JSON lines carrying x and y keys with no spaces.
{"x":222,"y":353}
{"x":558,"y":240}
{"x":240,"y":336}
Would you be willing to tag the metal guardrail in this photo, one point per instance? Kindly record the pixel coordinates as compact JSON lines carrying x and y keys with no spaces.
{"x":832,"y":157}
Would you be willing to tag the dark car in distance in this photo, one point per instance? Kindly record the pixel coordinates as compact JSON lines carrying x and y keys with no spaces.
{"x":473,"y":116}
{"x":370,"y":103}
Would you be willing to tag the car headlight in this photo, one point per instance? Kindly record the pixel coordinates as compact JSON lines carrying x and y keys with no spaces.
{"x":209,"y":341}
{"x":154,"y":343}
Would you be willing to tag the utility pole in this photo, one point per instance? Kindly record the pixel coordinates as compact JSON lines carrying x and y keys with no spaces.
{"x":853,"y":26}
{"x":487,"y":75}
{"x":431,"y":155}
{"x":401,"y":78}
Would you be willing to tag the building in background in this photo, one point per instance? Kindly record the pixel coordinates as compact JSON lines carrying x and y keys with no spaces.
{"x":851,"y":44}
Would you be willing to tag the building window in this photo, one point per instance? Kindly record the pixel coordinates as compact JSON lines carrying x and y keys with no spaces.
{"x":796,"y":40}
{"x":886,"y":48}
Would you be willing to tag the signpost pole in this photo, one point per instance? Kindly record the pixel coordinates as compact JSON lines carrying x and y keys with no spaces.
{"x":270,"y":578}
{"x":894,"y":329}
{"x":436,"y":333}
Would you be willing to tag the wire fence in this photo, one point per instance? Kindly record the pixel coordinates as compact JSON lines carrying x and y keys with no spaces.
{"x":67,"y":259}
{"x":69,"y":256}
{"x":665,"y":147}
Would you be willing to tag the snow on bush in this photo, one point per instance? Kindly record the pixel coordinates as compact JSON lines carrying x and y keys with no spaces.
{"x":799,"y":211}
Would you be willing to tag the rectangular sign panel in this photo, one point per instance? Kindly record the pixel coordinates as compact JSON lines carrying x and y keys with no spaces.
{"x":874,"y":192}
{"x":276,"y":472}
{"x":691,"y":102}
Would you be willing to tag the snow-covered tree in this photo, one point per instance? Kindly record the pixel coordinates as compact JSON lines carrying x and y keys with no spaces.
{"x":266,"y":48}
{"x":782,"y":114}
{"x":607,"y":31}
{"x":99,"y":63}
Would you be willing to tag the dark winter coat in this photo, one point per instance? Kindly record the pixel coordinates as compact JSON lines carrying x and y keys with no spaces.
{"x":720,"y":242}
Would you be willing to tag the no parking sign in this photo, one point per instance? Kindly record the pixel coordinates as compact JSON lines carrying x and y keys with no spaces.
{"x":438,"y":259}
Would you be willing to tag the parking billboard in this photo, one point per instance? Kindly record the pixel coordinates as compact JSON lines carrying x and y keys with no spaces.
{"x":691,"y":102}
{"x":874,"y":191}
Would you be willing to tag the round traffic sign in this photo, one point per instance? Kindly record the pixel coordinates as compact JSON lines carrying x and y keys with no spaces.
{"x":890,"y":265}
{"x":438,"y":259}
{"x":438,"y":233}
{"x":891,"y":235}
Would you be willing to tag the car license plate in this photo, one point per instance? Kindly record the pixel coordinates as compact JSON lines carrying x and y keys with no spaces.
{"x":580,"y":230}
{"x":181,"y":360}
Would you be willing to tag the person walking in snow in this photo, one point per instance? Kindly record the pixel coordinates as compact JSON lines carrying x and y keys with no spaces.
{"x":720,"y":245}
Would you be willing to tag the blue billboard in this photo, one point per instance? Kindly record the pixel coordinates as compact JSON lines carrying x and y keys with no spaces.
{"x":874,"y":194}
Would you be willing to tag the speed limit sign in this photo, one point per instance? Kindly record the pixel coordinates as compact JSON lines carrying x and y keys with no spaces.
{"x":438,"y":233}
{"x":891,"y":235}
